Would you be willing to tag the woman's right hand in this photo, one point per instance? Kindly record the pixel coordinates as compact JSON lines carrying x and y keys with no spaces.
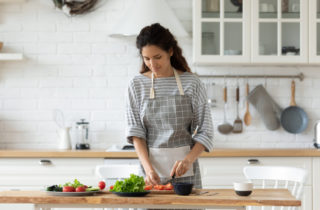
{"x":152,"y":178}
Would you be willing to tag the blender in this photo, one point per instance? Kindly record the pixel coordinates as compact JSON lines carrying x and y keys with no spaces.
{"x":82,"y":135}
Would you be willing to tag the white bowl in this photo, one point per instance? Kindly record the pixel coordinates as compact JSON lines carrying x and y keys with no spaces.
{"x":243,"y":188}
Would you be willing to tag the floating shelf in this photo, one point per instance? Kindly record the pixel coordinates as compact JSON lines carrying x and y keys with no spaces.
{"x":10,"y":56}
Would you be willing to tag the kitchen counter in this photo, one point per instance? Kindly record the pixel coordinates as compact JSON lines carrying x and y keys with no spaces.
{"x":125,"y":154}
{"x":216,"y":197}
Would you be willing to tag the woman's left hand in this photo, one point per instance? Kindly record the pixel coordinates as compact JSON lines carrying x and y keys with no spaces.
{"x":180,"y":168}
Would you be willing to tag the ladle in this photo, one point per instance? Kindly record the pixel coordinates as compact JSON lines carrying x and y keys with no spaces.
{"x":225,"y":127}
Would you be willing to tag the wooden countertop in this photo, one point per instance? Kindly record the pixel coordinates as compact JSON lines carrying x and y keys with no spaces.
{"x":104,"y":154}
{"x":216,"y":197}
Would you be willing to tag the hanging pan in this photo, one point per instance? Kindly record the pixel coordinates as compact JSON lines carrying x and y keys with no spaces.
{"x":294,"y":119}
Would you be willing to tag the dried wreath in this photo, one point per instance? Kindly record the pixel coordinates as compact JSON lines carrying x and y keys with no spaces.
{"x":75,"y":7}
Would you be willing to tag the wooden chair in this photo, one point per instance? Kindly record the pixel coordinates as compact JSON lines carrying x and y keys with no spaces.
{"x":290,"y":178}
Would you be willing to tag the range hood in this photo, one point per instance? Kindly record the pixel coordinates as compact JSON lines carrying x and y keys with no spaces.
{"x":145,"y":12}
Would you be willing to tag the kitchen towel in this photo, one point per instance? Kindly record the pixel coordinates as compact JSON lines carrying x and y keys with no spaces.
{"x":267,"y":108}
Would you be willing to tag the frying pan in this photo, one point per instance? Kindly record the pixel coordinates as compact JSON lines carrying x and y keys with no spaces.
{"x":294,"y":119}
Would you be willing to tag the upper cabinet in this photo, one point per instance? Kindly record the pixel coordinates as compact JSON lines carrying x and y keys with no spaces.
{"x":221,"y":31}
{"x":314,"y":31}
{"x":256,"y":31}
{"x":280,"y":31}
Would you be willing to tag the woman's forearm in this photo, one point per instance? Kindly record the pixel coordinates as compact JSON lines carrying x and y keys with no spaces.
{"x":196,"y":151}
{"x":142,"y":152}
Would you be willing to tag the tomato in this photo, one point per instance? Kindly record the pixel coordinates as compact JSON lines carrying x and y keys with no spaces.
{"x":148,"y":187}
{"x":168,"y":186}
{"x":159,"y":187}
{"x":80,"y":189}
{"x":102,"y":185}
{"x":68,"y":189}
{"x":111,"y":187}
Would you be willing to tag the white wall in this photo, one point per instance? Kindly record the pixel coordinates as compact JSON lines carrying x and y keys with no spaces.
{"x":72,"y":64}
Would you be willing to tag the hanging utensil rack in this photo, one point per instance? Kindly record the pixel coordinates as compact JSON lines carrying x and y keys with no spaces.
{"x":297,"y":76}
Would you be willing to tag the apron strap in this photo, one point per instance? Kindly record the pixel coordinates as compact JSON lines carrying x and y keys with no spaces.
{"x":178,"y":82}
{"x":152,"y":89}
{"x":176,"y":75}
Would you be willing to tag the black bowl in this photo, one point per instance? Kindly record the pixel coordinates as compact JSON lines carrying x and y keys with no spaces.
{"x":182,"y":188}
{"x":243,"y":193}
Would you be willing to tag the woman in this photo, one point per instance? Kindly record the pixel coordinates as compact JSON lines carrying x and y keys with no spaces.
{"x":166,"y":105}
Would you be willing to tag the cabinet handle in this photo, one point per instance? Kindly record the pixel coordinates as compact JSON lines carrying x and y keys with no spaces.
{"x":253,"y":161}
{"x":45,"y":162}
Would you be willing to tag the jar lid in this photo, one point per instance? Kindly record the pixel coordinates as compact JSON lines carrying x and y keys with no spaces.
{"x":82,"y":122}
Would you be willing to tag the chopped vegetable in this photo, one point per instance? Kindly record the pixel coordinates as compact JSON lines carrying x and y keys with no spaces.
{"x":54,"y":188}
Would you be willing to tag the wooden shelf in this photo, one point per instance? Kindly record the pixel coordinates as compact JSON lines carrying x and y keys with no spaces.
{"x":12,"y":1}
{"x":10,"y":56}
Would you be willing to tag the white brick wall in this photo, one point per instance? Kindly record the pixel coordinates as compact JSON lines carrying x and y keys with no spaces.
{"x":73,"y":65}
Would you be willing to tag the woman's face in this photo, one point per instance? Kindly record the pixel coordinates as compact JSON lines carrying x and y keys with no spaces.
{"x":157,"y":60}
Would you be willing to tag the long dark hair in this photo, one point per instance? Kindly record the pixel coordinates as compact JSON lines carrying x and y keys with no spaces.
{"x":161,"y":37}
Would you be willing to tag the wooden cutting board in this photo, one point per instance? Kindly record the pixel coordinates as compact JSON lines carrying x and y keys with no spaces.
{"x":155,"y":191}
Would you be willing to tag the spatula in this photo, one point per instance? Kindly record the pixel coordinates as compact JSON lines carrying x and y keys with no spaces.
{"x":237,"y":124}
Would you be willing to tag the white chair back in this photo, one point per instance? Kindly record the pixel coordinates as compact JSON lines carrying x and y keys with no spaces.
{"x":290,"y":178}
{"x":111,"y":173}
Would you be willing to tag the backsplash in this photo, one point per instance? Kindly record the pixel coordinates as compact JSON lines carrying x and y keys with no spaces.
{"x":73,"y":65}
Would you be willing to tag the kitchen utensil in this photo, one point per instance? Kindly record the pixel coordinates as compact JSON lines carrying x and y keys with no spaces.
{"x":247,"y":116}
{"x":267,"y":108}
{"x":317,"y":134}
{"x":294,"y":119}
{"x":210,"y":94}
{"x":225,"y":127}
{"x":1,"y":45}
{"x":237,"y":124}
{"x":173,"y":180}
{"x":82,"y":135}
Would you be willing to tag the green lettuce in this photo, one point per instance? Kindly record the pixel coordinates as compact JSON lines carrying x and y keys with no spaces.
{"x":132,"y":184}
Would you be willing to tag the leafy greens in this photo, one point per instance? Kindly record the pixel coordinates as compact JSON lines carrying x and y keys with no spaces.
{"x":132,"y":184}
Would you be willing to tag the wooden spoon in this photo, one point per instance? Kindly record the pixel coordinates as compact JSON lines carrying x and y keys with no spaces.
{"x":247,"y":116}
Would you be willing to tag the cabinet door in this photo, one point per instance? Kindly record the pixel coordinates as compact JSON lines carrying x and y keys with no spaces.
{"x":314,"y":31}
{"x":19,"y":173}
{"x":221,"y":31}
{"x":280,"y":29}
{"x":316,"y":183}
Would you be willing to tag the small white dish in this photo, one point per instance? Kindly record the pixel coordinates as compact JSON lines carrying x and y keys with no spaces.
{"x":243,"y":188}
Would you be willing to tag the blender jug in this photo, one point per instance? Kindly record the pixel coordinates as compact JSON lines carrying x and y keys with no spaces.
{"x":82,"y":135}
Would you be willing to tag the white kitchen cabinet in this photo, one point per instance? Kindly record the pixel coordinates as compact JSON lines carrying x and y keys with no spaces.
{"x":266,"y":31}
{"x":221,"y":32}
{"x":316,"y":183}
{"x":314,"y":31}
{"x":280,"y":31}
{"x":37,"y":173}
{"x":222,"y":172}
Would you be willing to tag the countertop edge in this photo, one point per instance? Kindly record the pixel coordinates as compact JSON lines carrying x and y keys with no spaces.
{"x":104,"y":154}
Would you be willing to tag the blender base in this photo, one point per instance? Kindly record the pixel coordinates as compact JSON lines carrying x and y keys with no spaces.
{"x":82,"y":146}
